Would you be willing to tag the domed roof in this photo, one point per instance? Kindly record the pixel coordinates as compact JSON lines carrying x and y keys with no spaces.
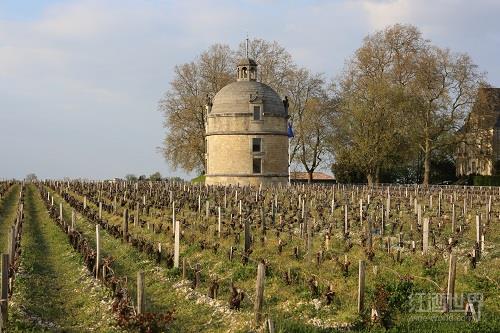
{"x":247,"y":61}
{"x":237,"y":96}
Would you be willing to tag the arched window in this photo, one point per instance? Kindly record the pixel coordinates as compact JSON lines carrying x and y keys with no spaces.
{"x":244,"y":70}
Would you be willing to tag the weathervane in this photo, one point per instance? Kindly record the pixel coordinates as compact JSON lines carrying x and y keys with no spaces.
{"x":247,"y":45}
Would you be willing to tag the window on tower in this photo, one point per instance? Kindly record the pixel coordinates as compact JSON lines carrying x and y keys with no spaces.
{"x":256,"y":145}
{"x":257,"y":165}
{"x":257,"y":114}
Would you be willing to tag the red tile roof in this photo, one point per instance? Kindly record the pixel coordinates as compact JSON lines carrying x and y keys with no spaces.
{"x":316,"y":176}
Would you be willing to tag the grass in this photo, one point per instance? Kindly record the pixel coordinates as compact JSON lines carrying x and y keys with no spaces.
{"x":53,"y":292}
{"x":199,"y":179}
{"x":160,"y":293}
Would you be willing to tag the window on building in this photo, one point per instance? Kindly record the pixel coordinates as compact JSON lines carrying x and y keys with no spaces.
{"x":257,"y":114}
{"x":257,"y":165}
{"x":206,"y":155}
{"x":496,"y":144}
{"x":256,"y":145}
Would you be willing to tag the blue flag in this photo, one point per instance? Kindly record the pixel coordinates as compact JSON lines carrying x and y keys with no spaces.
{"x":290,"y":131}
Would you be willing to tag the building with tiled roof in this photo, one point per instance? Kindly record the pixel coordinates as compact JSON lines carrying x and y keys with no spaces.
{"x":317,"y":177}
{"x":479,"y":153}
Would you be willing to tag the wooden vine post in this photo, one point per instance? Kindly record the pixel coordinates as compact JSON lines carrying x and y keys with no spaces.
{"x":308,"y":237}
{"x":361,"y":286}
{"x":125,"y":225}
{"x":176,"y":244}
{"x":183,"y":268}
{"x":425,"y":236}
{"x":247,"y":235}
{"x":173,"y":216}
{"x":478,"y":231}
{"x":346,"y":222}
{"x":140,"y":292}
{"x":5,"y":290}
{"x":453,"y":218}
{"x":219,"y":220}
{"x":98,"y":250}
{"x":451,"y":282}
{"x":12,"y":244}
{"x":136,"y":215}
{"x":259,"y":293}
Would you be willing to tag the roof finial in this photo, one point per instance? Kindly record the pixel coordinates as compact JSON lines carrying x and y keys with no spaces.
{"x":247,"y":45}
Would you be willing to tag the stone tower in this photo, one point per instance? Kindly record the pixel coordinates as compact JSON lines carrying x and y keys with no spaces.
{"x":246,"y":137}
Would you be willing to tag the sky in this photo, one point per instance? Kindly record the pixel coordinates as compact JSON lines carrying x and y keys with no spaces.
{"x":80,"y":80}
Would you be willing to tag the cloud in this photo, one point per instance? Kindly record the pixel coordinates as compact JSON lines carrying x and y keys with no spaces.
{"x":443,"y":19}
{"x":83,"y":77}
{"x":461,"y":25}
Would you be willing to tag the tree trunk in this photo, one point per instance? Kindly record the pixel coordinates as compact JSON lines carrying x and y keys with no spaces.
{"x":310,"y":176}
{"x":427,"y":162}
{"x":369,"y":177}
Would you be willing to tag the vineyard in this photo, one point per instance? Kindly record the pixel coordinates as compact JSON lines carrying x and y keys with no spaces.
{"x":165,"y":256}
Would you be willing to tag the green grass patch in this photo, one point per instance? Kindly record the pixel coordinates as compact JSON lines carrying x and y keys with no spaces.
{"x":199,"y":179}
{"x":53,"y":292}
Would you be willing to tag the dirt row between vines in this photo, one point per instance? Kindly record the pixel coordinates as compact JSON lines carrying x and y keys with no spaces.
{"x":53,"y":291}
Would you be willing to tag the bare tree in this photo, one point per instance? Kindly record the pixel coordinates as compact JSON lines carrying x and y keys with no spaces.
{"x":368,"y":133}
{"x":309,"y":114}
{"x":446,"y":85}
{"x":313,"y":129}
{"x":371,"y":124}
{"x":184,"y":106}
{"x":402,"y":95}
{"x":30,"y":178}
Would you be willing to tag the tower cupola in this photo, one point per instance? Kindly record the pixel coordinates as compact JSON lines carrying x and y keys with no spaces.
{"x":247,"y":70}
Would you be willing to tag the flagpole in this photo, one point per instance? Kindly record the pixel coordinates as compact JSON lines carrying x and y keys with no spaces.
{"x":289,"y":175}
{"x":290,"y":136}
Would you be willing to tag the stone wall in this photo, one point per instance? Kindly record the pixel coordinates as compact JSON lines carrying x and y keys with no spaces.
{"x":243,"y":181}
{"x":232,"y":154}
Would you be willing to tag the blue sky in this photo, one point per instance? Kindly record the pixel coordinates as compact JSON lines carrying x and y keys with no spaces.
{"x":80,"y":80}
